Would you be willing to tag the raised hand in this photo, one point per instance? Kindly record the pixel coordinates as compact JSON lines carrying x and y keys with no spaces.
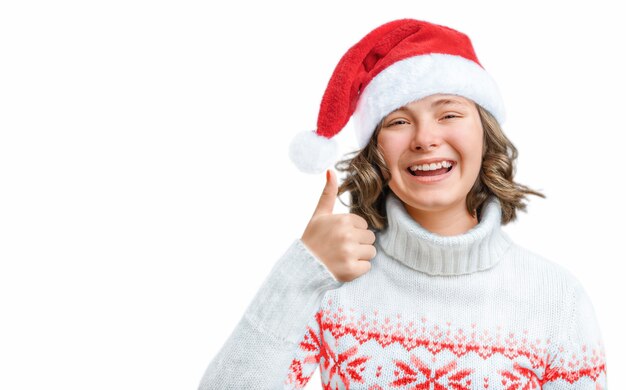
{"x":341,"y":241}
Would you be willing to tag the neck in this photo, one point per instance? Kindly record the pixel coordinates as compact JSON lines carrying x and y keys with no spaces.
{"x":479,"y":248}
{"x":449,"y":222}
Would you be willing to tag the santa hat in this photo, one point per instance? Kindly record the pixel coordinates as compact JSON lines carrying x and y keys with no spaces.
{"x":395,"y":64}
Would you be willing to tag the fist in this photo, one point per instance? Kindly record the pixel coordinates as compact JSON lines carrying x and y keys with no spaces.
{"x":341,"y":241}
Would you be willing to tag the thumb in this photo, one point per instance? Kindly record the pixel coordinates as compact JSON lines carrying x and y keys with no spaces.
{"x":327,"y":199}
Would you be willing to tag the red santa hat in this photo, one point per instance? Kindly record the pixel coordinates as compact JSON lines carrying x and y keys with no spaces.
{"x":395,"y":64}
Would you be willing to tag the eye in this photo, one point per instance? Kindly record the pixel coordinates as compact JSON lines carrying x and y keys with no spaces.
{"x":397,"y":122}
{"x":449,"y":116}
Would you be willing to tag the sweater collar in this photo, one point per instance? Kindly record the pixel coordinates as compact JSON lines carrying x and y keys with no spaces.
{"x":478,"y":249}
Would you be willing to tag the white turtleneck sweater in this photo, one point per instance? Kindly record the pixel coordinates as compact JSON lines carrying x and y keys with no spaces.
{"x":471,"y":311}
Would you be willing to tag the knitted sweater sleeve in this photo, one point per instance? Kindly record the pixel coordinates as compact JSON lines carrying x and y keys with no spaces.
{"x":259,"y":352}
{"x":577,"y":360}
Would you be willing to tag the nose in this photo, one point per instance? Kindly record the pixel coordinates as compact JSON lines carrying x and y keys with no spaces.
{"x":425,"y":137}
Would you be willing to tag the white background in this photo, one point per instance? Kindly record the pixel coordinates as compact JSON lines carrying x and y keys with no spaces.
{"x":146,"y":191}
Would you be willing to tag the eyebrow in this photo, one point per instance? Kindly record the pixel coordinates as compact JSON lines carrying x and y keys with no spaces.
{"x":436,"y":103}
{"x":446,"y":101}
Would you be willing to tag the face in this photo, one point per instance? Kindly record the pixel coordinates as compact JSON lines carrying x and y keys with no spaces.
{"x":436,"y":128}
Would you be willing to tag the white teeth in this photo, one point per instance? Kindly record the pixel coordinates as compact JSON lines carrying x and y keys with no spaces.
{"x":431,"y":167}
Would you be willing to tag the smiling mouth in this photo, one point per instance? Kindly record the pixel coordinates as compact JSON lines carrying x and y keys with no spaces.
{"x":430,"y":173}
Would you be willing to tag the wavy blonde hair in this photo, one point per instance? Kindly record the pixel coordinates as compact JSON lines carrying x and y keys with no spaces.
{"x":368,"y":188}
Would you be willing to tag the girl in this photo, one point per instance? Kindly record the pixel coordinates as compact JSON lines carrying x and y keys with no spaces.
{"x":418,"y":287}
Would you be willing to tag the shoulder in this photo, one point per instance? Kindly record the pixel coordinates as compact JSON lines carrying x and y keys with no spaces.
{"x":556,"y":289}
{"x":548,"y":277}
{"x":566,"y":296}
{"x":544,"y":270}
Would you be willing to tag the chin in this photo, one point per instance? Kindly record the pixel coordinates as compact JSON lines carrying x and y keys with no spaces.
{"x":430,"y":200}
{"x":430,"y":205}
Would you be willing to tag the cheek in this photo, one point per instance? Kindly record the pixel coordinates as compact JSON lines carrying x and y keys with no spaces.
{"x":469,"y":145}
{"x":391,"y":148}
{"x":471,"y":156}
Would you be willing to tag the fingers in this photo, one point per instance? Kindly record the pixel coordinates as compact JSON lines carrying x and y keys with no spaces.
{"x":365,"y":252}
{"x":327,"y":200}
{"x":357,"y":221}
{"x":347,"y":272}
{"x":365,"y":236}
{"x":362,"y":267}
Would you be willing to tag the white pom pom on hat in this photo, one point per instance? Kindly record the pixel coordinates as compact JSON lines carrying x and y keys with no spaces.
{"x":313,"y":153}
{"x":393,"y":65}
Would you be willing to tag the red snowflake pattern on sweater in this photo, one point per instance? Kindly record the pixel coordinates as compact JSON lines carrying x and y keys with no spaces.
{"x":432,"y":376}
{"x":345,"y":367}
{"x":340,"y":342}
{"x":522,"y":378}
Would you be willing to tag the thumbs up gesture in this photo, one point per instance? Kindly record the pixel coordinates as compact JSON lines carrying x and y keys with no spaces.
{"x":341,"y":241}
